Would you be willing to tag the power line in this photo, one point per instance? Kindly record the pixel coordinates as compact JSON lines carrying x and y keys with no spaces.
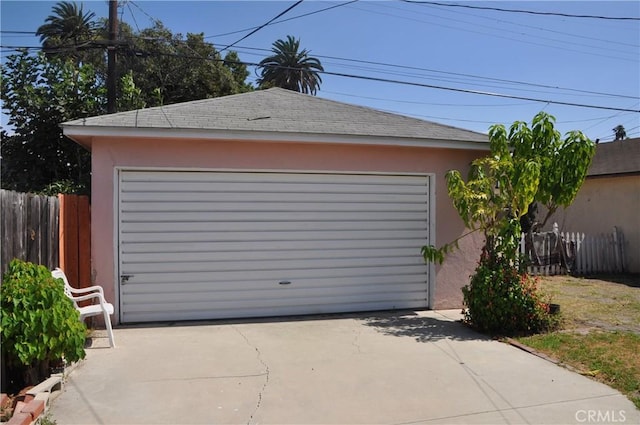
{"x":462,"y":75}
{"x":414,"y":84}
{"x":432,"y":70}
{"x":599,"y":119}
{"x":505,"y":96}
{"x":530,"y":12}
{"x":634,"y":60}
{"x":57,"y":49}
{"x":632,"y":130}
{"x":353,"y":1}
{"x":421,"y":69}
{"x":520,"y":24}
{"x":285,"y":20}
{"x":587,"y":92}
{"x":456,"y":80}
{"x":223,"y":34}
{"x":263,"y":25}
{"x":438,"y":118}
{"x":135,"y":21}
{"x":5,"y":46}
{"x":465,"y":75}
{"x":458,"y":105}
{"x":154,"y":20}
{"x":519,"y":32}
{"x":628,"y":130}
{"x":611,"y":117}
{"x":499,"y":95}
{"x":415,"y":102}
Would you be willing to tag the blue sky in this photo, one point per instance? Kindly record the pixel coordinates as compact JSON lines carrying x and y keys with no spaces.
{"x":561,"y":59}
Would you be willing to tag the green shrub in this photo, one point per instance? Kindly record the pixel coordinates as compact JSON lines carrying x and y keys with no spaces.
{"x":39,"y":323}
{"x":501,"y":300}
{"x":67,"y":187}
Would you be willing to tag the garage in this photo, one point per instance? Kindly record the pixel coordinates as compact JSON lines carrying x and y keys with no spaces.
{"x":196,"y":245}
{"x":273,"y":203}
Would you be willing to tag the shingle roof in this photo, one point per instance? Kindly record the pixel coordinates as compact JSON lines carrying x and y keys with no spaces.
{"x":279,"y":111}
{"x":620,"y":157}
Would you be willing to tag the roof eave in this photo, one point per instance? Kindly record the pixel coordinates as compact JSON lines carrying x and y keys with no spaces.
{"x":84,"y":135}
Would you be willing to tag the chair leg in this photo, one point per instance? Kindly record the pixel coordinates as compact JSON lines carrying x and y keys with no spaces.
{"x":107,"y":323}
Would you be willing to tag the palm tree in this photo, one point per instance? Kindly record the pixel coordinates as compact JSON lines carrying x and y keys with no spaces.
{"x":290,"y":69}
{"x":620,"y":132}
{"x":67,"y":27}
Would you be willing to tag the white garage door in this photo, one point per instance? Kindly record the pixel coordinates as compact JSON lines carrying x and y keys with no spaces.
{"x":207,"y":245}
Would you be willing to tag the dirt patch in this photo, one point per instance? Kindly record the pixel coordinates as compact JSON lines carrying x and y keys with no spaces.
{"x":609,"y":303}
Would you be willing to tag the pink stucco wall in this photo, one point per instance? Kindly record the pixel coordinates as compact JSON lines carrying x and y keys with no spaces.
{"x":601,"y":204}
{"x":206,"y":154}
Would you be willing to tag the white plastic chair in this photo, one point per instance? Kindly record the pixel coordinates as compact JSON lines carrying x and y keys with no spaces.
{"x":92,"y":292}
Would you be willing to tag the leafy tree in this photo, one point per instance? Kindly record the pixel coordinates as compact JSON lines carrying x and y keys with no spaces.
{"x":67,"y":82}
{"x":526,"y":165}
{"x":131,"y":96}
{"x":68,"y":30}
{"x":238,"y":70}
{"x":166,"y":67}
{"x":563,"y":162}
{"x":620,"y":132}
{"x":39,"y":93}
{"x":290,"y":68}
{"x":169,"y":68}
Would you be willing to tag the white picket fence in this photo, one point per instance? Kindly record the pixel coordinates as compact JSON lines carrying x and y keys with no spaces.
{"x":554,"y":252}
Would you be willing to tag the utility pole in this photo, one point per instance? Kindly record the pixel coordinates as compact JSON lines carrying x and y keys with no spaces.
{"x":111,"y":56}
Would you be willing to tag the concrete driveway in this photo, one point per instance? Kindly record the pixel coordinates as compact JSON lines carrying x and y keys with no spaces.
{"x":376,"y":368}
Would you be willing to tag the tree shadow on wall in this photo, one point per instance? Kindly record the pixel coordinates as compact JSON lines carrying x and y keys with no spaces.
{"x":420,"y":327}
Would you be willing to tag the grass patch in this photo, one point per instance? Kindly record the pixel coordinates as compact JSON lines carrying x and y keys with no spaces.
{"x":609,"y":357}
{"x":595,"y":303}
{"x":600,"y":336}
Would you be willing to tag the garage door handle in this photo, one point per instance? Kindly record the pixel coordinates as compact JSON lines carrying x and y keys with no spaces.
{"x":285,"y":282}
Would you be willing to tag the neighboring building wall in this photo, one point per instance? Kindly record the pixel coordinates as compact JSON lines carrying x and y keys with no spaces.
{"x":601,"y":204}
{"x":230,"y":155}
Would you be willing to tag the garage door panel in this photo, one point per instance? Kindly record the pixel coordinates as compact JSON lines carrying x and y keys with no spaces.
{"x":266,"y":226}
{"x":267,"y":177}
{"x":251,"y":255}
{"x":237,"y":191}
{"x":310,"y":237}
{"x":274,"y":303}
{"x":277,"y":264}
{"x":283,"y":295}
{"x":233,"y":247}
{"x":207,"y":216}
{"x":173,"y":283}
{"x":247,"y":312}
{"x":199,"y":245}
{"x":278,"y":275}
{"x":290,"y":207}
{"x":204,"y":200}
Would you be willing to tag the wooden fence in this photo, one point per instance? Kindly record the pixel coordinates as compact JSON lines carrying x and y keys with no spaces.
{"x":29,"y":228}
{"x":75,"y":239}
{"x":48,"y":230}
{"x":554,"y":252}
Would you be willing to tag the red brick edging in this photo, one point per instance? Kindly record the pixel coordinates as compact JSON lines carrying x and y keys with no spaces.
{"x":35,"y":402}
